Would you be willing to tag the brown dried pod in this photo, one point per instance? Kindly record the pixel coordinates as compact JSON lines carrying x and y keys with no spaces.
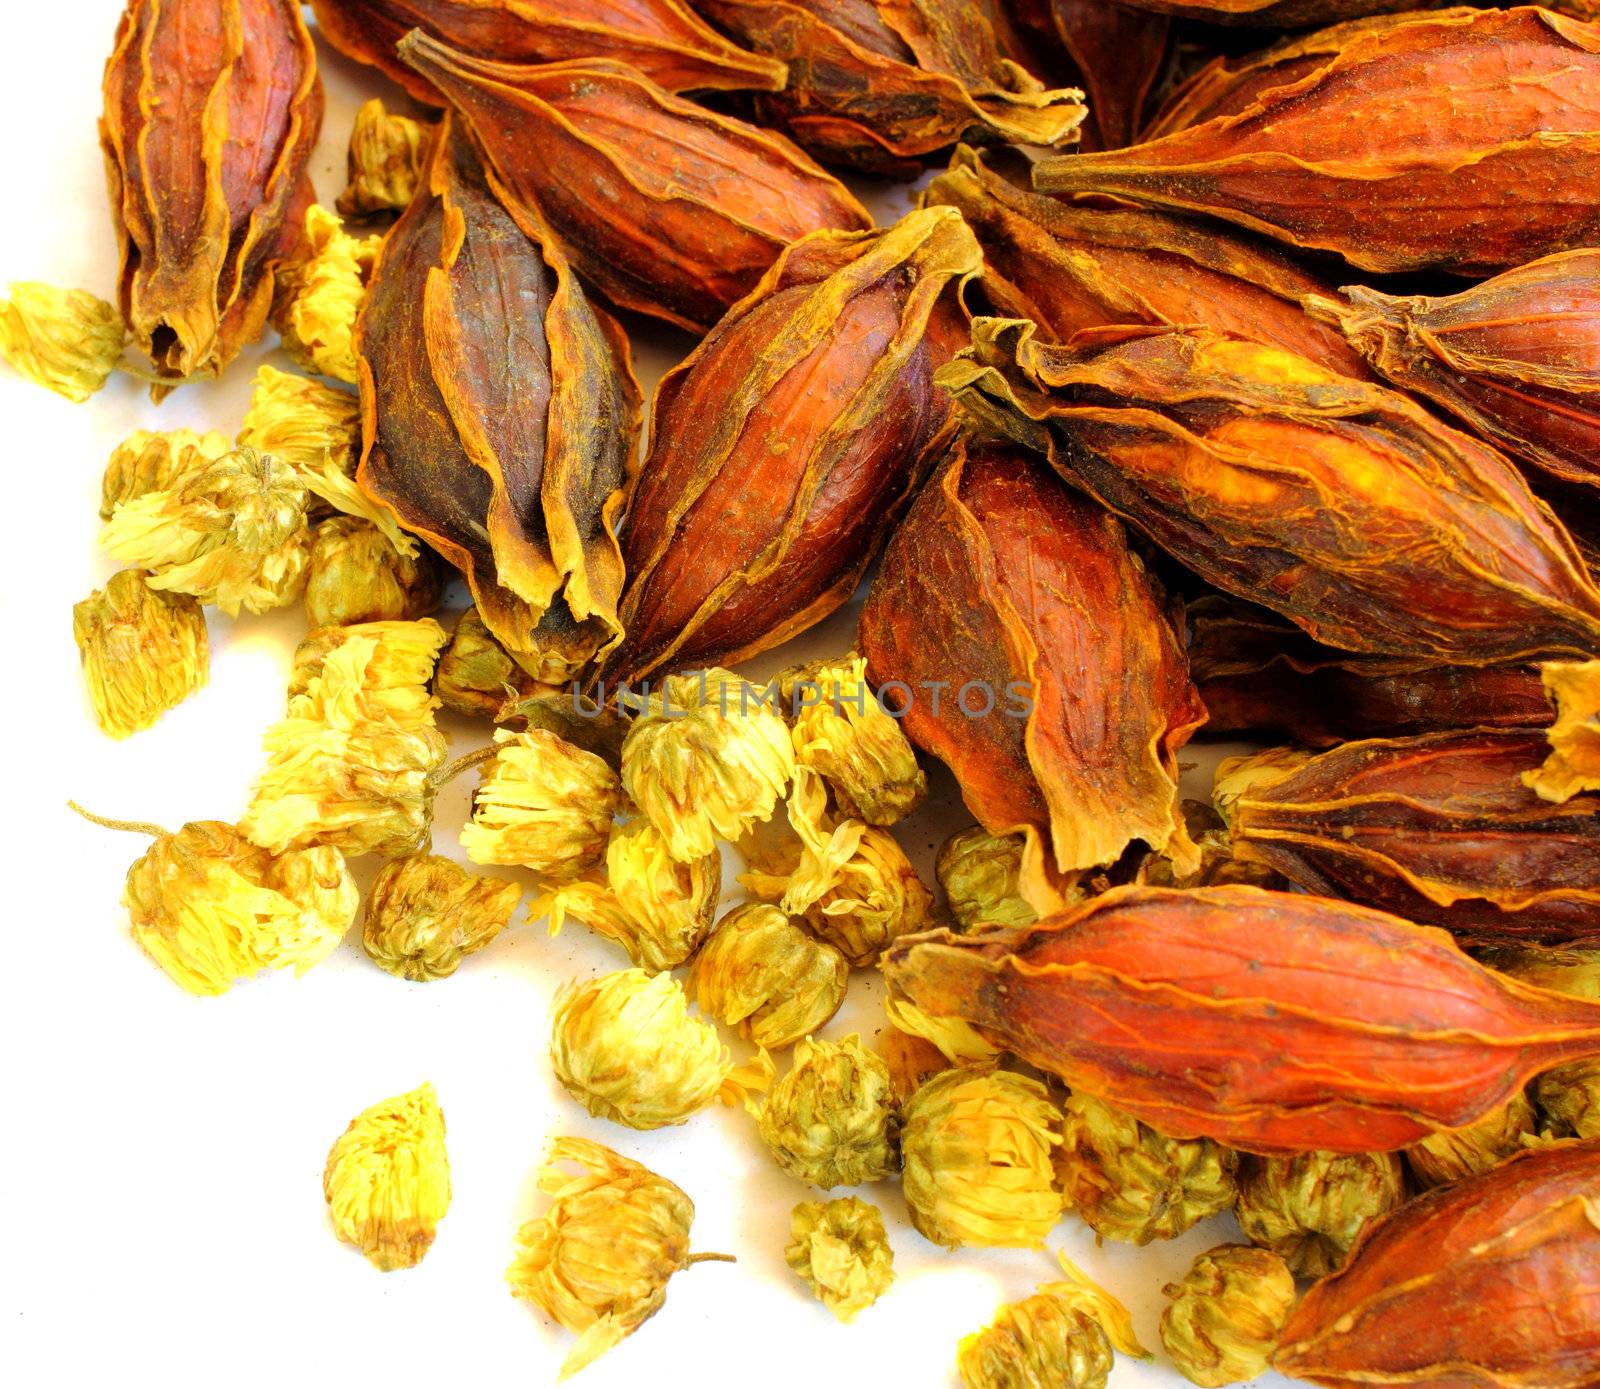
{"x":1269,"y":1021}
{"x":1120,"y":51}
{"x":1066,"y":696}
{"x":787,"y":444}
{"x":1491,"y":1281}
{"x":1439,"y":829}
{"x":664,"y":206}
{"x":202,"y":219}
{"x":881,"y":84}
{"x":1276,"y":13}
{"x":1363,"y":157}
{"x":1517,"y":357}
{"x":1069,"y":268}
{"x":1225,"y":453}
{"x":663,"y":39}
{"x":498,"y":414}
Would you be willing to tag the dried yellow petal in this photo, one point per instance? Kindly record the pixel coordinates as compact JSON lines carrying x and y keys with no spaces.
{"x":1311,"y":1207}
{"x":387,"y":1181}
{"x":762,"y":974}
{"x":426,"y":913}
{"x":981,"y":874}
{"x":543,"y":804}
{"x":64,"y":339}
{"x":625,"y":1047}
{"x":841,"y":1250}
{"x":321,"y":294}
{"x":148,"y":461}
{"x":356,"y":575}
{"x":143,"y":652}
{"x":1227,"y":1313}
{"x":960,"y":1042}
{"x":1574,"y":761}
{"x":476,"y":675}
{"x":384,"y":163}
{"x":831,"y":1120}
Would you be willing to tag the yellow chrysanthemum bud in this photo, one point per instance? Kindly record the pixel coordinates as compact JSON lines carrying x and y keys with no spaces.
{"x":1227,"y":1313}
{"x":1238,"y":776}
{"x":354,"y":761}
{"x":1574,"y":737}
{"x":1130,"y":1183}
{"x":233,"y":534}
{"x":425,"y":914}
{"x":356,"y":575}
{"x":960,"y":1042}
{"x":476,"y":674}
{"x":841,"y":1250}
{"x":320,"y":295}
{"x":1060,"y":1338}
{"x":1447,"y":1157}
{"x":832,"y":1120}
{"x":763,"y":975}
{"x":656,"y":908}
{"x":1568,"y":1100}
{"x":384,"y":163}
{"x":598,"y":1260}
{"x":842,"y":731}
{"x":705,"y":760}
{"x":148,"y":461}
{"x":976,"y":1149}
{"x":143,"y":652}
{"x":387,"y":1181}
{"x":543,"y":804}
{"x":625,"y":1047}
{"x":1311,"y":1207}
{"x":64,"y":339}
{"x":981,"y":874}
{"x":305,"y":423}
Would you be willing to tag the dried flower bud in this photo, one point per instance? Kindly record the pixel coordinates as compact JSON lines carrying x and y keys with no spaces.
{"x":1452,"y":1154}
{"x":762,"y":974}
{"x":912,"y":1062}
{"x":320,"y":294}
{"x":959,"y":1042}
{"x":842,"y":731}
{"x":981,"y":874}
{"x":355,"y":575}
{"x":1226,"y":1314}
{"x":353,"y":761}
{"x":384,"y":165}
{"x":831,"y":1120}
{"x":1568,"y":1100}
{"x":1311,"y":1207}
{"x":841,"y":1250}
{"x":154,"y":462}
{"x":426,"y":913}
{"x":706,"y":759}
{"x":476,"y":675}
{"x":625,"y":1047}
{"x":1060,"y":1338}
{"x":1130,"y":1183}
{"x":1574,"y":761}
{"x":63,"y":339}
{"x":654,"y":906}
{"x":143,"y":652}
{"x":977,"y":1146}
{"x":598,"y":1260}
{"x":308,"y":424}
{"x":233,"y":534}
{"x":387,"y":1181}
{"x":543,"y":804}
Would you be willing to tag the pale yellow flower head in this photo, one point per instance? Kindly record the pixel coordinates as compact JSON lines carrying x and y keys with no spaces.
{"x":143,"y":652}
{"x":64,"y":339}
{"x":387,"y":1181}
{"x":426,"y":913}
{"x":1452,"y":1154}
{"x":1567,"y":1100}
{"x":476,"y":674}
{"x":981,"y":874}
{"x":385,"y":161}
{"x":356,"y":575}
{"x":626,"y":1048}
{"x":155,"y":461}
{"x":1226,"y":1315}
{"x":706,"y":760}
{"x":321,"y":294}
{"x":1574,"y":762}
{"x":831,"y":1120}
{"x":841,"y":1250}
{"x":1312,"y":1207}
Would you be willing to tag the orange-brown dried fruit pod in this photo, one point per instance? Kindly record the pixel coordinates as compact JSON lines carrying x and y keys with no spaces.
{"x":1120,"y":52}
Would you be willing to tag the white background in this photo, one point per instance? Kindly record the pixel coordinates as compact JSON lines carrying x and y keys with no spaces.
{"x":163,"y":1159}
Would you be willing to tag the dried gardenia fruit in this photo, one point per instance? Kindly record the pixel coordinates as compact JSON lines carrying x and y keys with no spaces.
{"x":387,"y":1181}
{"x":1456,"y":1153}
{"x":476,"y":675}
{"x":831,"y":1120}
{"x":663,"y":205}
{"x":912,"y":1062}
{"x":1224,"y":452}
{"x":543,"y":804}
{"x":354,"y":761}
{"x":1062,"y":1337}
{"x":66,"y":340}
{"x":981,"y":874}
{"x":706,"y":758}
{"x":384,"y":165}
{"x":143,"y":652}
{"x":1343,"y":160}
{"x":977,"y":1147}
{"x":878,"y":84}
{"x":842,"y":731}
{"x":147,"y":461}
{"x":320,"y":293}
{"x":654,"y":906}
{"x":1574,"y":762}
{"x":1312,"y":1207}
{"x":625,"y":1048}
{"x":356,"y":575}
{"x":841,"y":1250}
{"x":212,"y":109}
{"x":1130,"y":1183}
{"x":1120,"y":52}
{"x":233,"y":533}
{"x":1226,"y":1314}
{"x":426,"y":913}
{"x":734,"y":546}
{"x":761,"y":974}
{"x":598,"y":1260}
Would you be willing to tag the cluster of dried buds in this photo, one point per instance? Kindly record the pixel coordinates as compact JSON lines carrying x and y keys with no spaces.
{"x":1129,"y":459}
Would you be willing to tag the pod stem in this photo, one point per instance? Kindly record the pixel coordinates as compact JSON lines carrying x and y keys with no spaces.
{"x":133,"y":826}
{"x":710,"y":1258}
{"x":466,"y":762}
